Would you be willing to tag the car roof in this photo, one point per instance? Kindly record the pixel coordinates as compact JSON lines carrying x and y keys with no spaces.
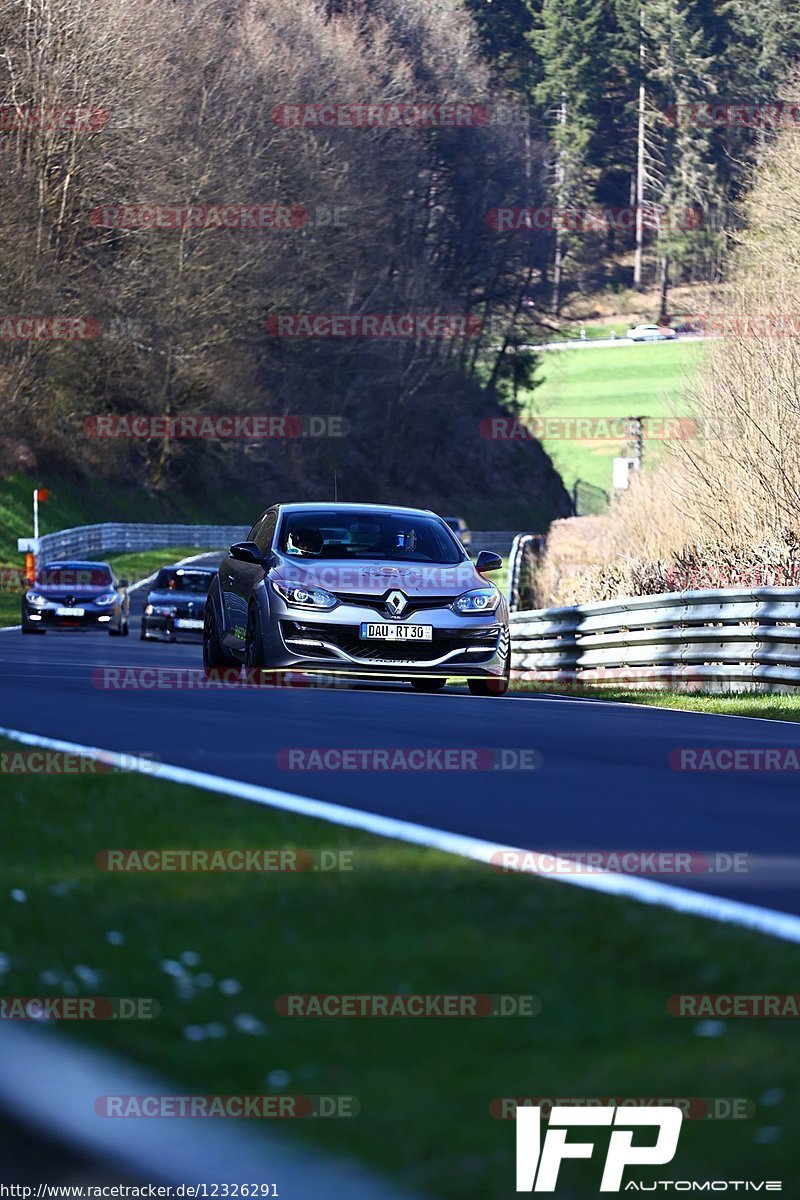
{"x":72,"y":562}
{"x":338,"y":506}
{"x":187,"y":567}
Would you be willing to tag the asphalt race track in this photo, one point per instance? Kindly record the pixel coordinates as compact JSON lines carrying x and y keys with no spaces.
{"x":604,"y":784}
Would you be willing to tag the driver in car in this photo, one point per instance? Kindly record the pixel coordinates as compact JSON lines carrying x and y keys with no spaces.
{"x":306,"y":541}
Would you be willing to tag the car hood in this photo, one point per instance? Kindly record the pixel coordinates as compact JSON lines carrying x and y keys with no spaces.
{"x":376,"y":577}
{"x":195,"y":598}
{"x":52,"y":592}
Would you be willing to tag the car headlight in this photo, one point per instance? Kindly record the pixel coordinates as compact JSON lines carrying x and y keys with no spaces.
{"x":309,"y":597}
{"x":480,"y":600}
{"x":159,"y":610}
{"x":35,"y":599}
{"x":104,"y":601}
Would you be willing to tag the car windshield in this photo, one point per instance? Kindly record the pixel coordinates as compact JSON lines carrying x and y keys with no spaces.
{"x":74,"y":575}
{"x":178,"y":580}
{"x":333,"y":534}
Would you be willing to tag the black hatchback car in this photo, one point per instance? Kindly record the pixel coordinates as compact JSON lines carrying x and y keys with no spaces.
{"x":358,"y":590}
{"x":76,"y":595}
{"x":176,"y":602}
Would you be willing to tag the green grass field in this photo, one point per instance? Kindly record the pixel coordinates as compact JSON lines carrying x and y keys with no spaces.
{"x":403,"y":919}
{"x":73,"y":502}
{"x":608,"y":382}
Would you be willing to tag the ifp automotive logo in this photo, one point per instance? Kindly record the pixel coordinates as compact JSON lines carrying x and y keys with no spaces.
{"x":539,"y":1160}
{"x":538,"y":1164}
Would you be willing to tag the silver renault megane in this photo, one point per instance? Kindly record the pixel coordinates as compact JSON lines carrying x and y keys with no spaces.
{"x":358,"y":590}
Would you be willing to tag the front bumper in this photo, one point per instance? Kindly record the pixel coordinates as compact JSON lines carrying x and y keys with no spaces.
{"x":460,"y":647}
{"x":171,"y":627}
{"x":91,"y":618}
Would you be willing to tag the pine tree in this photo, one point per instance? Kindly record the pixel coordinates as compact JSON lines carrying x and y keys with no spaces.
{"x":571,"y":43}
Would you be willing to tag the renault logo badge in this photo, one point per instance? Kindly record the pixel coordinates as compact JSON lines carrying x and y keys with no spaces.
{"x":395,"y":603}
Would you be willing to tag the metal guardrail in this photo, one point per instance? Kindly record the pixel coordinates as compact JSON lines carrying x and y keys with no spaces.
{"x":719,"y":640}
{"x":114,"y":537}
{"x":525,"y":549}
{"x":118,"y":538}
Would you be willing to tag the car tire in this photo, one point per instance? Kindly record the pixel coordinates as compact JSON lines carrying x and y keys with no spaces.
{"x":114,"y":632}
{"x":494,"y":686}
{"x":489,"y":687}
{"x":215,"y":657}
{"x":30,"y":629}
{"x":125,"y":631}
{"x":428,"y":685}
{"x":256,"y":667}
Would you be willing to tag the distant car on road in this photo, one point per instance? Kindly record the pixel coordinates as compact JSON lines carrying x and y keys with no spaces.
{"x":460,"y":529}
{"x":358,"y":590}
{"x":689,"y":326}
{"x":76,"y":595}
{"x":651,"y":333}
{"x":175,"y":604}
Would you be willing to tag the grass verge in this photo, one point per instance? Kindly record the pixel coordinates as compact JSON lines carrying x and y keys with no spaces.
{"x":85,"y":502}
{"x":403,"y":919}
{"x":773,"y":706}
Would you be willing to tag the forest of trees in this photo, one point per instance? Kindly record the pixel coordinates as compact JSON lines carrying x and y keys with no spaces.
{"x":583,"y":104}
{"x":660,"y":105}
{"x":722,"y":507}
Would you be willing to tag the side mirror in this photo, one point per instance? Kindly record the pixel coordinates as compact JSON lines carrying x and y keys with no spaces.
{"x":246,"y":552}
{"x":123,"y":583}
{"x":487,"y":560}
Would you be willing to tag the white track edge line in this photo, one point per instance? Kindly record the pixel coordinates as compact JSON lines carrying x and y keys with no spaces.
{"x":647,"y":891}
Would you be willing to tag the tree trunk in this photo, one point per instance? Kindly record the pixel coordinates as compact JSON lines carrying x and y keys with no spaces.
{"x":662,"y":311}
{"x":637,"y":267}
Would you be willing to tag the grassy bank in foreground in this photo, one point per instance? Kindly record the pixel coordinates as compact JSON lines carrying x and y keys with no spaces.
{"x":772,"y":706}
{"x":402,"y":920}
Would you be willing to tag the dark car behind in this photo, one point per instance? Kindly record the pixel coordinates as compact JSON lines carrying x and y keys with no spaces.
{"x":76,"y":595}
{"x":176,"y":602}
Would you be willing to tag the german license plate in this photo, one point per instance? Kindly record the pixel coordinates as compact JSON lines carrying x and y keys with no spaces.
{"x":187,"y":623}
{"x":69,"y":612}
{"x":371,"y":631}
